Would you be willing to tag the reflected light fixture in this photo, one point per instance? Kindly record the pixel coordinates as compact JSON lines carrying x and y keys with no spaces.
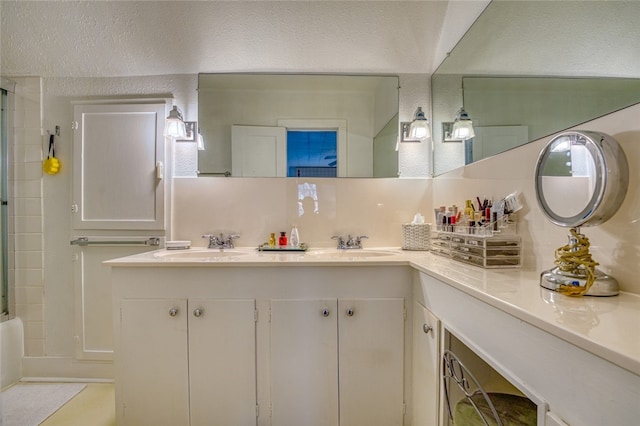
{"x":462,"y":126}
{"x":418,"y":130}
{"x":200,"y":141}
{"x":174,"y":125}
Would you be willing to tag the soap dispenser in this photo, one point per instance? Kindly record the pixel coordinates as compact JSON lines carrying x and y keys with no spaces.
{"x":294,"y":238}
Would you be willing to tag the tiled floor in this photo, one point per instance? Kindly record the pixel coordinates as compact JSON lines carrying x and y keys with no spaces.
{"x":94,"y":405}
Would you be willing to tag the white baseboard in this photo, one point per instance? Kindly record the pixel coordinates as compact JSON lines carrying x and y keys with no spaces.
{"x":64,"y":380}
{"x":59,"y":368}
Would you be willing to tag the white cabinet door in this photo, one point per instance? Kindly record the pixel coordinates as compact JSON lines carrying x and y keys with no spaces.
{"x":371,"y":359}
{"x":93,"y":310}
{"x":304,"y":362}
{"x":311,"y":340}
{"x":258,"y":151}
{"x":118,"y":155}
{"x":426,"y":366}
{"x":154,"y":378}
{"x":222,"y":362}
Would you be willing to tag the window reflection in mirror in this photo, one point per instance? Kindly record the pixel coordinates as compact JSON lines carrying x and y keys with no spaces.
{"x":312,"y":153}
{"x":363,"y":108}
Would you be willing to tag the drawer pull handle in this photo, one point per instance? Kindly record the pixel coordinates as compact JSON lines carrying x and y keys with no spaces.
{"x":325,"y":312}
{"x":426,"y":328}
{"x":350,"y":312}
{"x":173,"y":312}
{"x":197,"y":312}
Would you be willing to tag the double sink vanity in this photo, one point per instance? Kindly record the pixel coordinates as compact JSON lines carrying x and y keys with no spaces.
{"x":355,"y":337}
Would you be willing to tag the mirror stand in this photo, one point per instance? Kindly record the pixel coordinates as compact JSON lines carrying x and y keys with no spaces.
{"x":576,"y":273}
{"x":581,"y":180}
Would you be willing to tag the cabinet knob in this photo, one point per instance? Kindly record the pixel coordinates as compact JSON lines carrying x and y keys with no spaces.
{"x":197,"y":312}
{"x":325,"y":312}
{"x":426,"y":328}
{"x":350,"y":312}
{"x":173,"y":312}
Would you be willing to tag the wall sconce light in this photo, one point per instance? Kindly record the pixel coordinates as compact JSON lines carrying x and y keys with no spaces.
{"x":174,"y":125}
{"x":417,"y":130}
{"x":463,"y":126}
{"x":200,"y":141}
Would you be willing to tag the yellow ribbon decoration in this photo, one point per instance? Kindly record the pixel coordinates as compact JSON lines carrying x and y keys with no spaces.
{"x":575,"y":257}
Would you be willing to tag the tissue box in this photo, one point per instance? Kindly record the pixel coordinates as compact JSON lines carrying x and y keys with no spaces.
{"x":416,"y":236}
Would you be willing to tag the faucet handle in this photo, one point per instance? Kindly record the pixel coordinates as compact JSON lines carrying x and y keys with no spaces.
{"x":340,"y":241}
{"x":234,"y":236}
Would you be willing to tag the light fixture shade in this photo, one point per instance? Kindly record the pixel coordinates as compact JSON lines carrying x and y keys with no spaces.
{"x":174,"y":125}
{"x":200,"y":142}
{"x":462,"y":126}
{"x":419,"y":129}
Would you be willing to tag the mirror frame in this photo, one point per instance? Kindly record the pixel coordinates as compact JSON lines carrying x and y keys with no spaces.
{"x":611,"y":180}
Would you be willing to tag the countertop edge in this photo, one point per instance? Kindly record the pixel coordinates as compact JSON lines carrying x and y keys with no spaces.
{"x":615,"y":357}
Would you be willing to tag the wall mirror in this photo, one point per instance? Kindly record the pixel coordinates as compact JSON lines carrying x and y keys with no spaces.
{"x":302,"y":125}
{"x":529,"y":69}
{"x":581,"y":179}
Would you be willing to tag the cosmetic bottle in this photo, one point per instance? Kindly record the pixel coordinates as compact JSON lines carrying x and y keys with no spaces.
{"x":272,"y":240}
{"x":282,"y":241}
{"x":468,"y":209}
{"x":295,"y":238}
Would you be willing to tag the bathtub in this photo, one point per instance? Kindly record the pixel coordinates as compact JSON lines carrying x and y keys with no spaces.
{"x":11,"y":351}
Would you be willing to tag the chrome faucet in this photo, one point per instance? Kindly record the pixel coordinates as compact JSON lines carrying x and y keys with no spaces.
{"x":221,"y":242}
{"x":350,"y":242}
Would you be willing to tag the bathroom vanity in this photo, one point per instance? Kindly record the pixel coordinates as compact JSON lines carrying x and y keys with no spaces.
{"x":332,"y":338}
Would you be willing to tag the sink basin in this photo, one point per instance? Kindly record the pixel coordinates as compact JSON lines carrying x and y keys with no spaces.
{"x":200,"y":255}
{"x":348,"y":254}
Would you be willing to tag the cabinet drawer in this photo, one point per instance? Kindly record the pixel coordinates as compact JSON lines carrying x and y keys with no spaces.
{"x":487,"y":262}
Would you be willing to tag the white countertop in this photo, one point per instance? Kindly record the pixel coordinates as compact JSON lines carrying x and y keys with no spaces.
{"x":608,"y":327}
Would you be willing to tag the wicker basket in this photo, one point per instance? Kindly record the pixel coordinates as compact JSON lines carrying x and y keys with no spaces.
{"x":415,"y":236}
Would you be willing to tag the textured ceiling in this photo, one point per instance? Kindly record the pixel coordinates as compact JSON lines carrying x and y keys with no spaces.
{"x":137,"y":38}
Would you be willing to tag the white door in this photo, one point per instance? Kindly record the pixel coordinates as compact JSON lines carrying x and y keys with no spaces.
{"x":426,"y":366}
{"x":93,"y":309}
{"x":222,"y":362}
{"x":371,"y":348}
{"x":154,"y":360}
{"x":304,"y":362}
{"x":258,"y":151}
{"x":118,"y":197}
{"x":118,"y":161}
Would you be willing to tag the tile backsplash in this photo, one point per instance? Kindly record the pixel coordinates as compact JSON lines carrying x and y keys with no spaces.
{"x":320,"y":208}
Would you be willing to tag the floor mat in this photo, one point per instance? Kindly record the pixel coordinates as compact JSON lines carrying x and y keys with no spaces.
{"x":29,"y":404}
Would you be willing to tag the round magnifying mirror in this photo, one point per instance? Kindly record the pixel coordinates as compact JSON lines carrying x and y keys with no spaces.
{"x":581,"y":178}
